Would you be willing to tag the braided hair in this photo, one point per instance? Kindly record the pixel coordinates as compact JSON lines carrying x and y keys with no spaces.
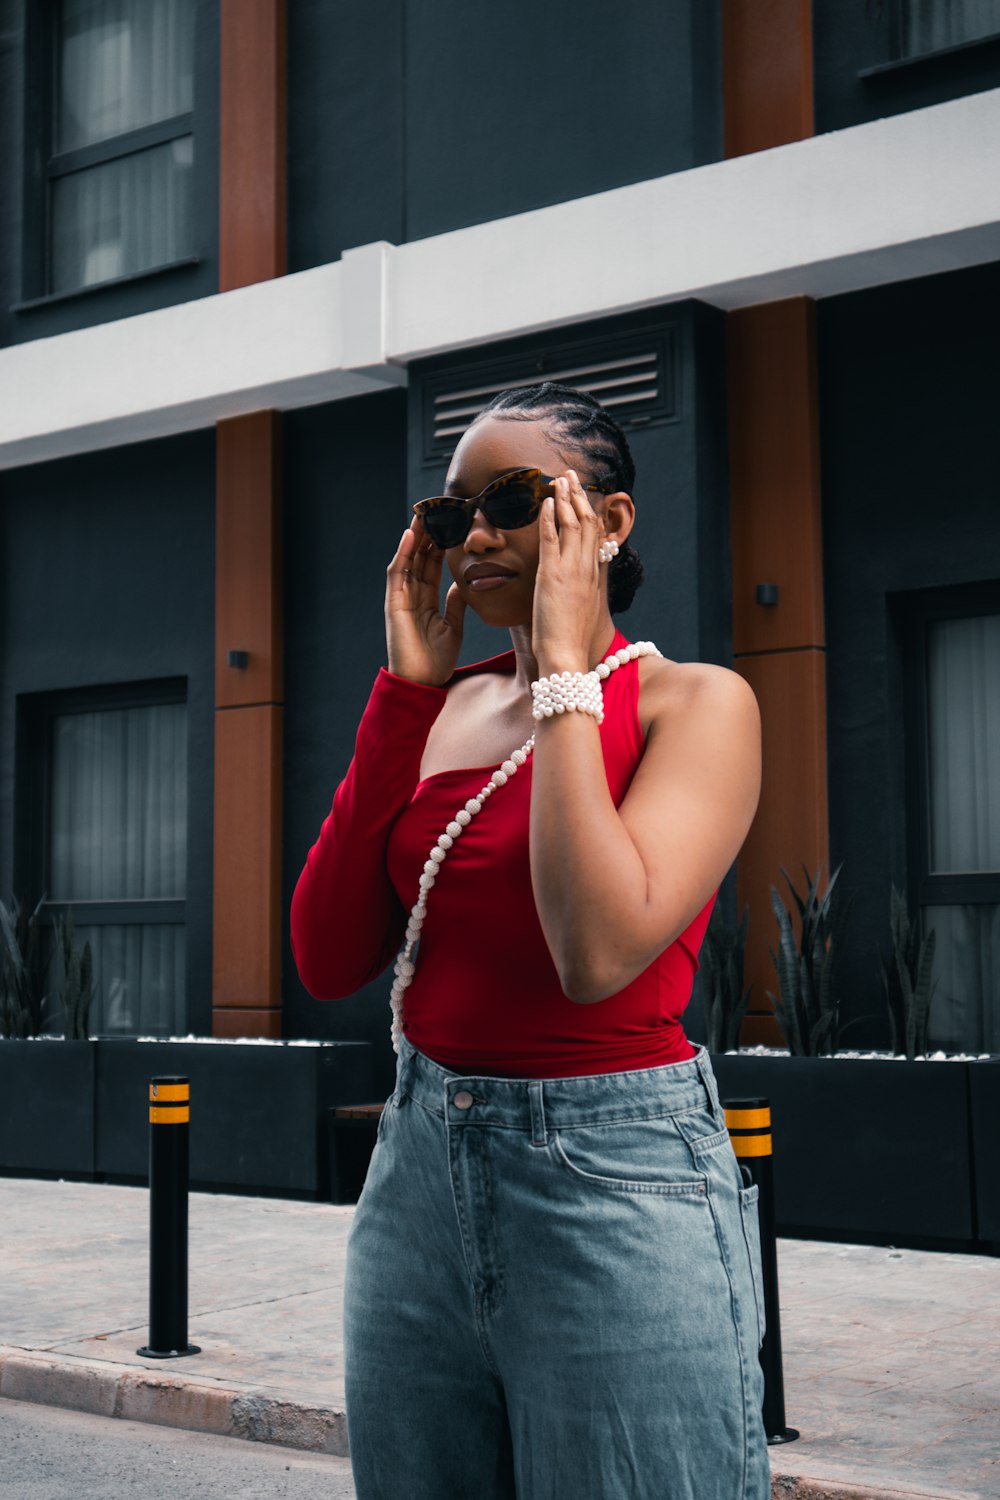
{"x":580,"y":423}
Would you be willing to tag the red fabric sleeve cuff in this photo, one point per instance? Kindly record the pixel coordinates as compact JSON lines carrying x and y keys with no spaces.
{"x":403,"y":707}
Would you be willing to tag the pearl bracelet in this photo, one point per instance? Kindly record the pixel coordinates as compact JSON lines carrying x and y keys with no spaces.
{"x":568,"y":692}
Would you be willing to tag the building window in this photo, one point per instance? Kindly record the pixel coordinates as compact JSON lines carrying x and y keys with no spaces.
{"x":957,"y":806}
{"x":122,"y":143}
{"x":933,"y":25}
{"x":110,"y":835}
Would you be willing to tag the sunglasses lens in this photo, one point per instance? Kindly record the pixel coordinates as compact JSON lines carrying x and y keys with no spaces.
{"x":512,"y":507}
{"x":446,"y":525}
{"x":507,"y":504}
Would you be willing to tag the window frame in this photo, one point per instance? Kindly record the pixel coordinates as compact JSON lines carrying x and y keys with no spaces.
{"x":36,"y":715}
{"x":43,"y":165}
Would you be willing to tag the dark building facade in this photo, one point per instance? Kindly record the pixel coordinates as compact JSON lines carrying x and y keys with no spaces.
{"x":260,"y":262}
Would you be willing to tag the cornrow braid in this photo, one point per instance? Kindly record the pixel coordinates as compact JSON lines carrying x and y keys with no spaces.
{"x":580,"y":423}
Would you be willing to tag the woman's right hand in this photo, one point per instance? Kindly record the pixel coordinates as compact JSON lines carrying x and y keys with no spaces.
{"x":423,"y":643}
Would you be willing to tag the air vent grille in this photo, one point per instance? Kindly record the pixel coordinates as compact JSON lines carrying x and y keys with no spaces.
{"x":634,"y":378}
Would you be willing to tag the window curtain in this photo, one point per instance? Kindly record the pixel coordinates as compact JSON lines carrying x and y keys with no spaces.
{"x":931,"y":24}
{"x":122,"y":217}
{"x":118,"y":832}
{"x":965,"y":1009}
{"x":138,"y":978}
{"x":122,"y":64}
{"x":963,"y":687}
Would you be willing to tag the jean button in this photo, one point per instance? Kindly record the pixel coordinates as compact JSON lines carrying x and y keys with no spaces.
{"x":463,"y":1099}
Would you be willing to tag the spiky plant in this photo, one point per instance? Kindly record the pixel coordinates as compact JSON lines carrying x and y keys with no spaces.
{"x":77,"y":990}
{"x":22,"y":994}
{"x":908,"y":980}
{"x":806,"y":1006}
{"x":725,"y":1000}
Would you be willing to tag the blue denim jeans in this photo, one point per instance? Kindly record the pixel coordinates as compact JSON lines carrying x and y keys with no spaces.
{"x":553,"y":1293}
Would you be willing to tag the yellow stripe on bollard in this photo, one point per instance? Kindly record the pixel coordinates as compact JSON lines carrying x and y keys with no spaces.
{"x":748,"y":1119}
{"x":752,"y":1145}
{"x":176,"y":1115}
{"x":169,"y":1093}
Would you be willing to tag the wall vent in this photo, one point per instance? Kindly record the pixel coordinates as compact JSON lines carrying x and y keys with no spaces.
{"x":632,"y":376}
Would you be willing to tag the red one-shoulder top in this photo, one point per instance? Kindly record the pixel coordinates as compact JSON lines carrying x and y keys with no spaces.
{"x":486,"y":997}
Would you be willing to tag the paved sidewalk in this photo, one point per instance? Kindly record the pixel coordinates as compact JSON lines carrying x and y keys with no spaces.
{"x":891,"y":1357}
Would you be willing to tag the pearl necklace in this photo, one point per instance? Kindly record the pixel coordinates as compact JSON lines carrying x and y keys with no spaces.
{"x":406,"y":966}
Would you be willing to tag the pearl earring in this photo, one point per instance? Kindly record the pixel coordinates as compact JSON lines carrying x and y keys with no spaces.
{"x":608,"y":550}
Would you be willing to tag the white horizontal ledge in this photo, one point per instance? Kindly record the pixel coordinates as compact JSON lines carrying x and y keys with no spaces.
{"x":899,"y":198}
{"x":908,"y":196}
{"x":276,"y":344}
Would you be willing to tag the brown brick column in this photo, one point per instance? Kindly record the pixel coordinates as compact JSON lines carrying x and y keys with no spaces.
{"x":775,"y":501}
{"x":779,"y":648}
{"x":252,"y":142}
{"x":767,"y":73}
{"x":246,"y":943}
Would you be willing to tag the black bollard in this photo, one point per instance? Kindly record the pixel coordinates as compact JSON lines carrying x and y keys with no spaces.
{"x":749,"y":1124}
{"x":169,"y":1123}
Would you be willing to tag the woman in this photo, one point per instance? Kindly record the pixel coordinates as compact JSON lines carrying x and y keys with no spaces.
{"x":553,"y":1277}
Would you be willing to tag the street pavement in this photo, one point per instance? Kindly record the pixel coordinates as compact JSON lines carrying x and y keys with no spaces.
{"x":49,"y":1453}
{"x":890,"y":1356}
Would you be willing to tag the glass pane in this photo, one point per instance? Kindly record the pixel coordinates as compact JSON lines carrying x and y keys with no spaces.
{"x":124,"y":216}
{"x":138,"y":979}
{"x":118,"y":821}
{"x":963,"y":688}
{"x":930,"y":24}
{"x":121,"y":64}
{"x":965,"y":1009}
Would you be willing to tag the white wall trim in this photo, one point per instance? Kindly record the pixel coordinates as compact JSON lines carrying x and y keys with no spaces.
{"x":904,"y":197}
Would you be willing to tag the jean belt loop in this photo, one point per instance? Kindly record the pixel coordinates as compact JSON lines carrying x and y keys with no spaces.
{"x":539,"y":1136}
{"x":708,"y":1079}
{"x":404,"y":1068}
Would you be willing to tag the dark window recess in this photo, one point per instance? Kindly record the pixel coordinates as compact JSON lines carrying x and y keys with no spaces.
{"x":634,"y":377}
{"x":904,"y":34}
{"x":107,"y":845}
{"x":952,"y":643}
{"x":936,"y":25}
{"x":120,"y":139}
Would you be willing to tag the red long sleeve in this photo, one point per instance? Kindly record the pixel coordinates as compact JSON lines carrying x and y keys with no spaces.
{"x":346,"y":920}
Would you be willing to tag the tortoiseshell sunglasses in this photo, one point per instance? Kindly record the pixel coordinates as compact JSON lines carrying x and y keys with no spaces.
{"x":510,"y":502}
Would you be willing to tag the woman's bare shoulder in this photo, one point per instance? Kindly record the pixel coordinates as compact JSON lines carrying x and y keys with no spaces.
{"x":697,"y":690}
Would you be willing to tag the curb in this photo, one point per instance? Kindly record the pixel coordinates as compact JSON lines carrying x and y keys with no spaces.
{"x":147,"y":1396}
{"x":800,"y":1487}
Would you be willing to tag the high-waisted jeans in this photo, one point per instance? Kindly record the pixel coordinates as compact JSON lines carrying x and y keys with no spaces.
{"x":553,"y":1293}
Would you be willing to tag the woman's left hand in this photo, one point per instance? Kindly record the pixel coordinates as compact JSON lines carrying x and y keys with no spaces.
{"x":568,"y":594}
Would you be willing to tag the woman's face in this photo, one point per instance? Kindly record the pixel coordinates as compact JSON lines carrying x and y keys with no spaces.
{"x":495,"y":570}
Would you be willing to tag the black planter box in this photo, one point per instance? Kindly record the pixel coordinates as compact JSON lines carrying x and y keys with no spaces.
{"x":258,"y":1111}
{"x":984,"y":1100}
{"x":865,"y":1146}
{"x":47,"y":1107}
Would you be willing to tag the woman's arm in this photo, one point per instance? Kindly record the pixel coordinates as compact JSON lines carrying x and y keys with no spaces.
{"x":613,"y":887}
{"x":346,"y":921}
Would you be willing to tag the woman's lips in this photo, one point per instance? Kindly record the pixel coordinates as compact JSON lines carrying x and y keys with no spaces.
{"x":482,"y":578}
{"x":489,"y":581}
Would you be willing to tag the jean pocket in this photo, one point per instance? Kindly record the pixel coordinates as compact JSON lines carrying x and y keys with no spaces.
{"x":749,"y":1211}
{"x":644,"y":1156}
{"x":383,"y":1118}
